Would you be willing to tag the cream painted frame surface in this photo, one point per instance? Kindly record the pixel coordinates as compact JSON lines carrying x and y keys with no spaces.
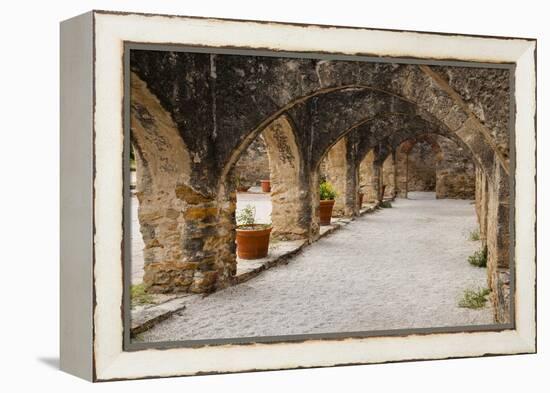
{"x":92,"y":75}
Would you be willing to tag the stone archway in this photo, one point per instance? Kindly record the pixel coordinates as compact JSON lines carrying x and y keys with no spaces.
{"x":205,"y":109}
{"x":421,"y":173}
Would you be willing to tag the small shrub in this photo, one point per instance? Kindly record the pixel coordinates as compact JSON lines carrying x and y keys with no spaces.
{"x":246,"y":219}
{"x":138,"y":296}
{"x":474,"y":235}
{"x":474,"y":298}
{"x":385,"y":205}
{"x":247,"y":216}
{"x":478,"y":258}
{"x":327,"y":191}
{"x":238,"y":180}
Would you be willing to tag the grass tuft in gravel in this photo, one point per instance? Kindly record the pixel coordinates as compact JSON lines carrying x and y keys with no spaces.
{"x":474,"y":298}
{"x":474,"y":235}
{"x":385,"y":205}
{"x":478,"y":258}
{"x":138,"y":295}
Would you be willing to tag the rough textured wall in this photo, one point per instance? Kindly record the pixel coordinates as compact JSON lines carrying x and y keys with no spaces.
{"x":211,"y":107}
{"x":336,"y":167}
{"x":486,"y":91}
{"x":401,"y":171}
{"x":482,"y":198}
{"x":253,"y":165}
{"x":369,"y":177}
{"x":421,"y":168}
{"x":218,"y":101}
{"x":434,"y":158}
{"x":290,"y":190}
{"x":455,"y":172}
{"x":388,"y":176}
{"x":498,"y":243}
{"x":339,"y":167}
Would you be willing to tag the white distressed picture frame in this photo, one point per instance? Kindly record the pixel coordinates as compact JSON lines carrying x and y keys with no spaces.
{"x":92,"y":195}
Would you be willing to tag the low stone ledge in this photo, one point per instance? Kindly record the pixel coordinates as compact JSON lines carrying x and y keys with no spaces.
{"x":278,"y":254}
{"x":368,"y":208}
{"x":146,"y":317}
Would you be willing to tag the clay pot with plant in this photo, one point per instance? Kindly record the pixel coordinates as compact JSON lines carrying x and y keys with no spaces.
{"x":327,"y":195}
{"x":266,"y":185}
{"x":241,"y":185}
{"x":252,"y":238}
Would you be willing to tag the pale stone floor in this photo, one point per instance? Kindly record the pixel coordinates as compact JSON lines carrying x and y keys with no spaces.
{"x":398,"y":268}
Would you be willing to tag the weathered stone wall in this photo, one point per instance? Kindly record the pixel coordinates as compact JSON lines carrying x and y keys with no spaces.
{"x":420,"y":163}
{"x":195,"y":114}
{"x":481,"y":199}
{"x":455,"y":172}
{"x":369,"y":177}
{"x":290,"y":189}
{"x":421,"y":168}
{"x":253,"y":165}
{"x":498,"y":242}
{"x":336,"y":173}
{"x":340,"y":169}
{"x":389,"y":176}
{"x":168,"y":209}
{"x":486,"y":92}
{"x":401,"y":170}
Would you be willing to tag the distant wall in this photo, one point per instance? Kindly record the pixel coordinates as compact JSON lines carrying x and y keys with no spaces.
{"x":253,"y":165}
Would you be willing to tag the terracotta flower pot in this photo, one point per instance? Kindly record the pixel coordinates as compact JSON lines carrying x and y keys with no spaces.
{"x":325,"y":211}
{"x":252,"y":242}
{"x":360,"y":199}
{"x":266,"y":185}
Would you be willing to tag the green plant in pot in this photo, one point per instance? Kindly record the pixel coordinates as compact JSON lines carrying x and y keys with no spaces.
{"x":327,"y":194}
{"x":241,"y":184}
{"x":252,"y":238}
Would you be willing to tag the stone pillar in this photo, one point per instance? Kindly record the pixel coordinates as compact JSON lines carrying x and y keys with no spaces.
{"x":341,"y":170}
{"x":290,"y":186}
{"x":336,"y":168}
{"x":187,"y":226}
{"x":498,"y":242}
{"x":401,"y":168}
{"x":481,"y":199}
{"x":370,"y":174}
{"x":388,"y":176}
{"x":313,"y":200}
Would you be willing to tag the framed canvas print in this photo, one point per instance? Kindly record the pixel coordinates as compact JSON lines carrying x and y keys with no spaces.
{"x":245,"y":195}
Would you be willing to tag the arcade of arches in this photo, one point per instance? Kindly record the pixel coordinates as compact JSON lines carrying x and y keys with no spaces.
{"x":201,"y":121}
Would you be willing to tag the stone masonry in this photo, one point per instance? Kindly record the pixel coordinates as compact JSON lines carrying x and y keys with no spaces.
{"x":194,"y":116}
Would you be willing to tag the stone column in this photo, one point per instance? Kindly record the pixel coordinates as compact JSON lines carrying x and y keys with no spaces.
{"x":341,"y":169}
{"x":369,"y":173}
{"x":401,"y":168}
{"x":290,"y":186}
{"x":481,"y":199}
{"x":186,"y":225}
{"x":498,"y":242}
{"x":336,"y":168}
{"x":388,"y":171}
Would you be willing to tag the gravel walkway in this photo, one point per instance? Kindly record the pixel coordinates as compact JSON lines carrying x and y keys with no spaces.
{"x":404,"y":267}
